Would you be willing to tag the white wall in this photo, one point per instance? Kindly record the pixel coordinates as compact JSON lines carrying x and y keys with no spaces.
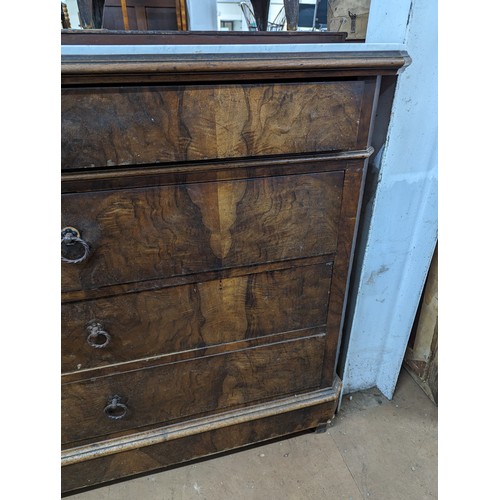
{"x":202,"y":15}
{"x":395,"y":249}
{"x":231,"y":11}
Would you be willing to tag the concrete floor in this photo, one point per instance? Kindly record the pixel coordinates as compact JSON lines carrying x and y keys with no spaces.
{"x":376,"y":449}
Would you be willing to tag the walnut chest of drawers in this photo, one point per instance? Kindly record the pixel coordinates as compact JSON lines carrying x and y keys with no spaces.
{"x":209,"y":211}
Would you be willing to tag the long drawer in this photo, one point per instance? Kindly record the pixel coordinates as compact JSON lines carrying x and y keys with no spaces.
{"x":109,"y":404}
{"x":151,"y":323}
{"x":148,"y":233}
{"x":111,"y":126}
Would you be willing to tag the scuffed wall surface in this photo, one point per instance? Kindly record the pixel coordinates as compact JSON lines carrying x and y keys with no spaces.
{"x":395,"y":252}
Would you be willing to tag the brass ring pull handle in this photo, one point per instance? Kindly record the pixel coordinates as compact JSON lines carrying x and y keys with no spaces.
{"x":115,"y":409}
{"x":98,"y":337}
{"x":71,"y":236}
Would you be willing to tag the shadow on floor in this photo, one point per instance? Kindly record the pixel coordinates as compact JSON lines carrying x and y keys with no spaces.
{"x":376,"y":449}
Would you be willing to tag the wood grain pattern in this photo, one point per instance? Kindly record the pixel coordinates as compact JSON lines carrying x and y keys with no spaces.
{"x":147,"y":69}
{"x":158,"y":283}
{"x":138,"y":125}
{"x":169,"y":392}
{"x":219,"y":194}
{"x":142,"y":15}
{"x":193,"y":316}
{"x":150,"y":233}
{"x":211,"y":441}
{"x":351,"y":203}
{"x":128,"y":177}
{"x":224,"y":419}
{"x":98,"y":37}
{"x":201,"y":352}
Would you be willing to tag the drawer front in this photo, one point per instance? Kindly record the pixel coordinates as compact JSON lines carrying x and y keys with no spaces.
{"x":148,"y":233}
{"x":138,"y":325}
{"x":164,"y":393}
{"x":138,"y":125}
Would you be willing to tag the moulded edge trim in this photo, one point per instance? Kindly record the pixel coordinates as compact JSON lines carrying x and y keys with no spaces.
{"x":198,"y":426}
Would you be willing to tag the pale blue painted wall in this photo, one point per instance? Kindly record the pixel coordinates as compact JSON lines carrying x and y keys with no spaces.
{"x":400,"y":226}
{"x":395,"y":250}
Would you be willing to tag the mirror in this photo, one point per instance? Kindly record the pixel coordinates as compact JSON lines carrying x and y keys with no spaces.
{"x":347,"y":16}
{"x":128,"y":15}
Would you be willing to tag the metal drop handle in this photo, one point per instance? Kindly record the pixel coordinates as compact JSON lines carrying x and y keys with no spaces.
{"x":71,"y":236}
{"x":115,"y":409}
{"x":98,"y":337}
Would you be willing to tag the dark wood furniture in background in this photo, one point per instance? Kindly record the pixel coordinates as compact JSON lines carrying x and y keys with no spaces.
{"x":141,"y":15}
{"x":90,"y":13}
{"x":209,"y":212}
{"x":145,"y":15}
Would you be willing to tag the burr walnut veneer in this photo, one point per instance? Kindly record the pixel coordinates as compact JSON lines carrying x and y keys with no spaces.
{"x":209,"y":211}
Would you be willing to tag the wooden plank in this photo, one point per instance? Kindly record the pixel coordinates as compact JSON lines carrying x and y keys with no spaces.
{"x":165,"y":231}
{"x":183,"y":389}
{"x":368,"y":111}
{"x":158,"y":284}
{"x":154,"y":68}
{"x":116,"y":126}
{"x":351,"y":204}
{"x":123,"y":5}
{"x":212,"y":350}
{"x":195,"y":316}
{"x":421,"y":357}
{"x":93,"y":465}
{"x":117,"y":37}
{"x":83,"y":180}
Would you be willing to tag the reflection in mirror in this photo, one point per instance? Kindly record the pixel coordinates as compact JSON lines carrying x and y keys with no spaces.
{"x":349,"y":16}
{"x":71,"y":8}
{"x":340,"y":16}
{"x":134,"y":15}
